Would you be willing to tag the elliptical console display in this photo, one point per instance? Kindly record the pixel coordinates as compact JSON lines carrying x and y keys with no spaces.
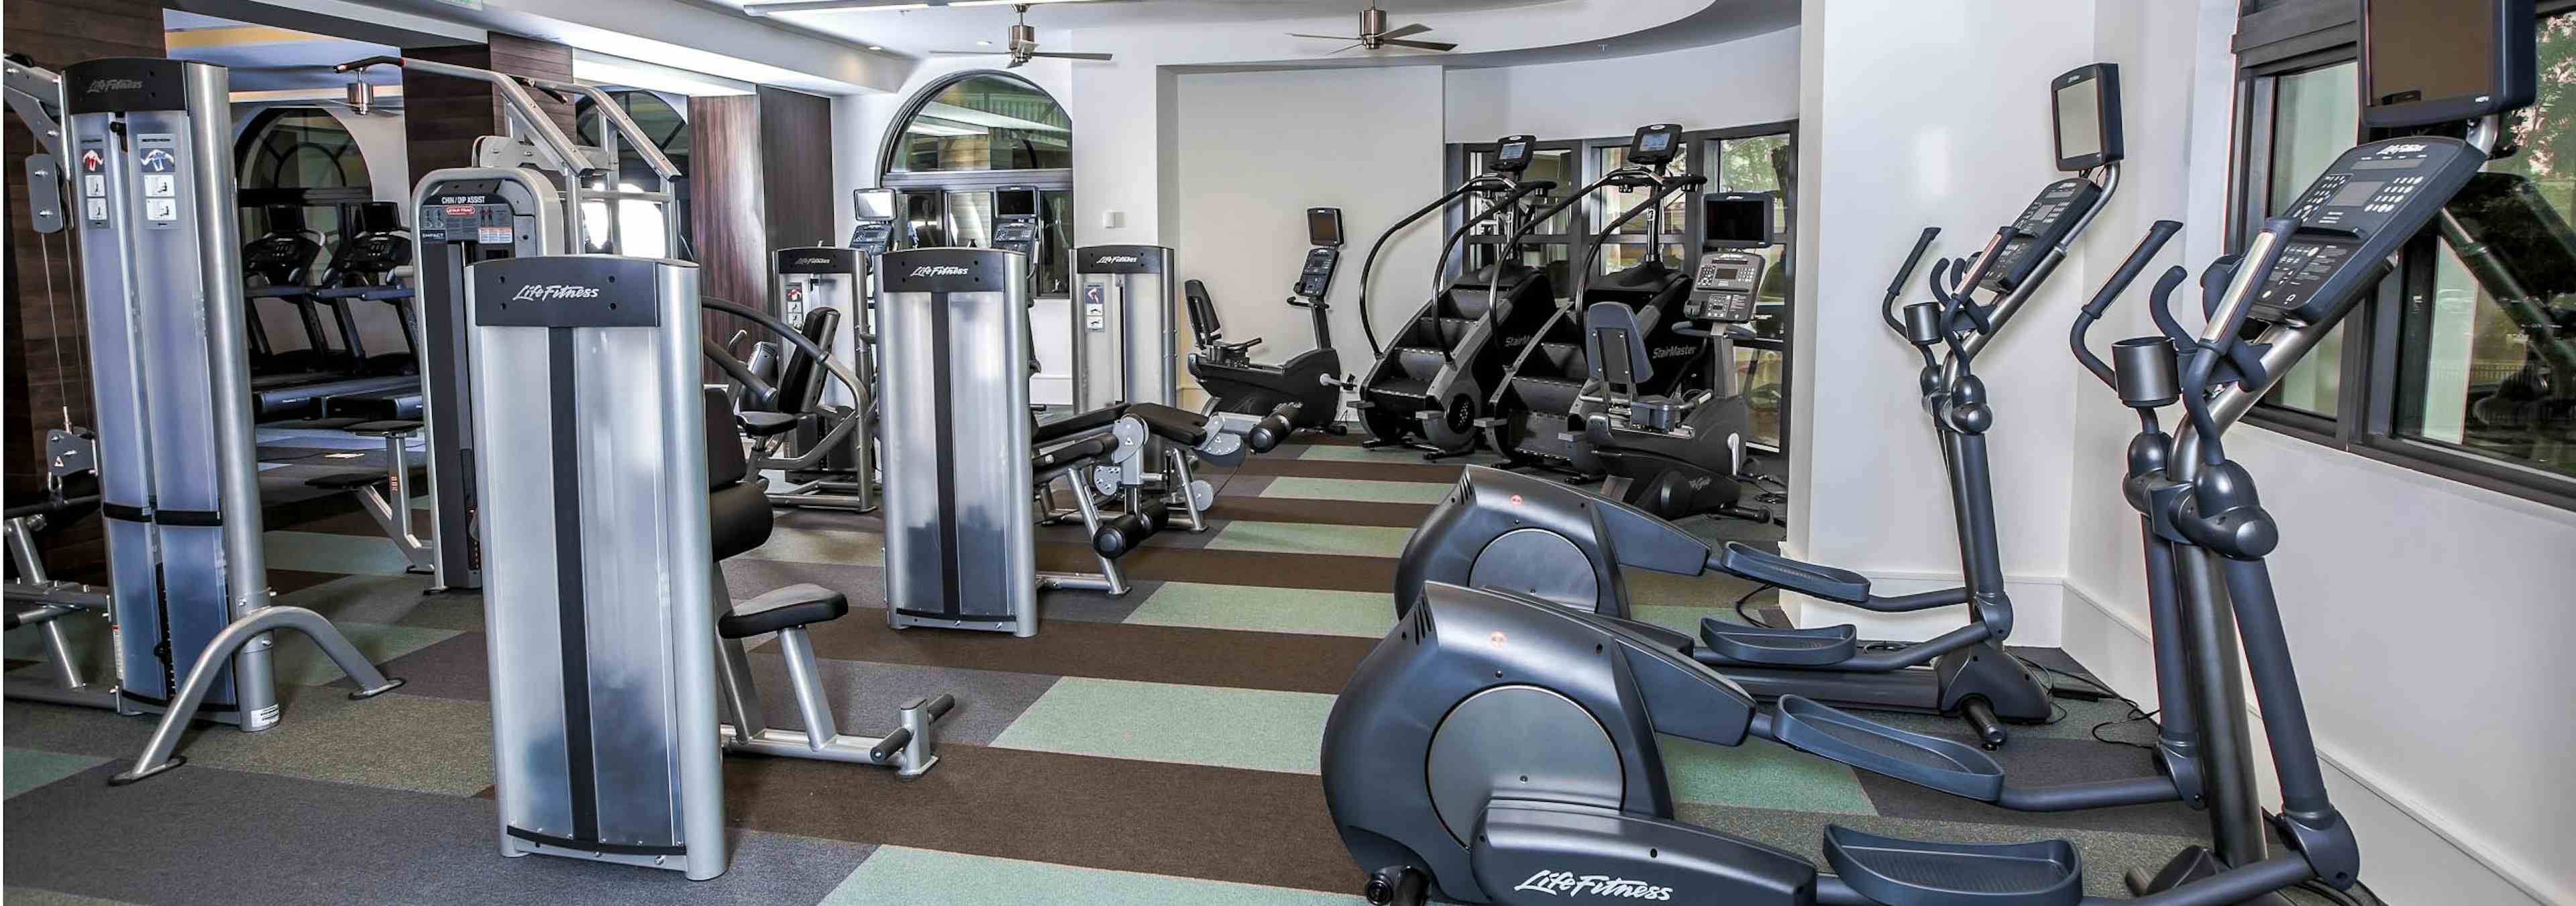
{"x":1722,"y":291}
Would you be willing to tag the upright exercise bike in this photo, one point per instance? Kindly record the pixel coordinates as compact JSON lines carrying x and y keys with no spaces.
{"x":1312,"y":380}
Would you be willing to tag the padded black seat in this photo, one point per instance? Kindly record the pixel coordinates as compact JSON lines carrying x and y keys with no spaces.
{"x":767,"y":424}
{"x":1077,"y":423}
{"x":1806,"y":578}
{"x":1079,"y":450}
{"x":787,"y":608}
{"x":384,"y":428}
{"x":1171,"y":424}
{"x":345,"y":481}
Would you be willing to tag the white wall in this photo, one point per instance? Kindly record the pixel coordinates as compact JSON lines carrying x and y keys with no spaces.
{"x":1243,"y":183}
{"x":1737,"y":83}
{"x":1911,"y":116}
{"x":2425,"y":616}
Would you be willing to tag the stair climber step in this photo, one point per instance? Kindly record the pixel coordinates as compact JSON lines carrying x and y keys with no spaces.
{"x":1818,"y":647}
{"x":1469,"y":302}
{"x":1929,"y":761}
{"x":1407,"y":392}
{"x":1449,"y":330}
{"x":1564,"y":359}
{"x":1419,"y":363}
{"x":1554,"y":396}
{"x":1913,"y":873}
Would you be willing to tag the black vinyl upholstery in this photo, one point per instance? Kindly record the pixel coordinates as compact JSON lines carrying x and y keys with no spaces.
{"x":738,"y":515}
{"x":786,"y":608}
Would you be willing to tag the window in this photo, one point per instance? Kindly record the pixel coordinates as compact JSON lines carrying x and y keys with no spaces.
{"x":300,"y":156}
{"x":986,"y":122}
{"x":964,"y":139}
{"x":638,"y":228}
{"x":2462,"y":372}
{"x":1763,"y":163}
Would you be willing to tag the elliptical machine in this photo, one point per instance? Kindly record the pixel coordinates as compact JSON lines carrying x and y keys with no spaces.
{"x":1428,"y":388}
{"x":1964,"y":672}
{"x":1312,"y":380}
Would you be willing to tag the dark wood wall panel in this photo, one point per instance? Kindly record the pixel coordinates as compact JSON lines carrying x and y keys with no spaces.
{"x":796,"y":157}
{"x":443,"y":115}
{"x":727,"y":207}
{"x":44,"y":368}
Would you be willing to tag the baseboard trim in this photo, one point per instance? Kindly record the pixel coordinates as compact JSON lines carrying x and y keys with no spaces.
{"x":2434,"y":821}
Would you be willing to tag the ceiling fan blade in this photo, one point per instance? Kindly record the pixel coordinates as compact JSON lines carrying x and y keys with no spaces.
{"x":1075,"y":56}
{"x":1413,"y":29}
{"x":1340,"y":49}
{"x":970,"y":53}
{"x":1325,"y":37}
{"x":1425,"y":45}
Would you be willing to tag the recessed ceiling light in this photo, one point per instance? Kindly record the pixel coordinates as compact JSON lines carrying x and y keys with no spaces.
{"x":875,"y":47}
{"x":985,"y":43}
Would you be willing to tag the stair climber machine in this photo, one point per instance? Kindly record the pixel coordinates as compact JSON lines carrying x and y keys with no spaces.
{"x":527,"y":193}
{"x":1311,"y":380}
{"x":1477,"y":538}
{"x":1531,"y":418}
{"x":145,"y":146}
{"x":1500,"y":748}
{"x":1429,"y":385}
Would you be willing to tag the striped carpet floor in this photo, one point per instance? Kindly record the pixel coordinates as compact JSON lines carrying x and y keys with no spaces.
{"x":1156,"y":748}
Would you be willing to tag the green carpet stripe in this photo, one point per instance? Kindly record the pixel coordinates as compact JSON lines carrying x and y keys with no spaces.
{"x":1680,"y":619}
{"x":1348,"y":489}
{"x":1254,"y":729}
{"x":27,"y":769}
{"x":332,"y":553}
{"x":1759,"y":774}
{"x":1256,"y":608}
{"x":1307,"y":538}
{"x":897,"y":874}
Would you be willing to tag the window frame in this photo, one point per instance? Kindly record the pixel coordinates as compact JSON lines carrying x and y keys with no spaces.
{"x":2290,"y":36}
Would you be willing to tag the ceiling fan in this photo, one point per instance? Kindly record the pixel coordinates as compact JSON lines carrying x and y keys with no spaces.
{"x":1023,"y":46}
{"x":1374,"y":34}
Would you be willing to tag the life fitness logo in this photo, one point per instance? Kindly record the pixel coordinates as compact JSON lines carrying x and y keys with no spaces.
{"x":102,"y":85}
{"x":551,"y":292}
{"x":941,"y":270}
{"x":1566,"y":883}
{"x":1116,"y":259}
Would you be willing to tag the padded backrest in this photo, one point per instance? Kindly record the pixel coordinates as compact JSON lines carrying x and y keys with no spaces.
{"x":726,"y":464}
{"x":1614,"y":345}
{"x":738,"y":513}
{"x":1202,"y":308}
{"x":800,"y":381}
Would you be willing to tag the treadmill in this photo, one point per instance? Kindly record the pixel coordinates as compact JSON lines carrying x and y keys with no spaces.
{"x":361,"y":270}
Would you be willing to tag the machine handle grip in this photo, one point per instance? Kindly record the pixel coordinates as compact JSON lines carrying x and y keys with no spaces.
{"x":1896,"y":287}
{"x":940,"y":706}
{"x":2157,"y":235}
{"x":886,"y":749}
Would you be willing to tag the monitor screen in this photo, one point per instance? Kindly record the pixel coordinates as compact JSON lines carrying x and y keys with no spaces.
{"x":2079,"y":119}
{"x":2443,"y":50}
{"x":1737,"y":221}
{"x":1324,"y":226}
{"x":1654,"y":141}
{"x":1015,"y":203}
{"x":1511,"y":152}
{"x":873,"y":204}
{"x":2353,"y":193}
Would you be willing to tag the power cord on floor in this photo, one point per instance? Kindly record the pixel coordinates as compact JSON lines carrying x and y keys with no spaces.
{"x":2097,"y":692}
{"x":1749,"y":619}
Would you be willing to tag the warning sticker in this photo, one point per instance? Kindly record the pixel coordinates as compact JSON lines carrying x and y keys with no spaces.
{"x":494,"y":235}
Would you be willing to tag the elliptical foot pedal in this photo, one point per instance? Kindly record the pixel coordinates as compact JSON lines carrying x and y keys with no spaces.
{"x":1814,"y":579}
{"x":1787,"y":647}
{"x":1928,"y":761}
{"x":1913,"y":873}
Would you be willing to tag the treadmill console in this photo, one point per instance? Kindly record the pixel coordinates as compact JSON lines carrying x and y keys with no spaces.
{"x":2042,"y":225}
{"x":1722,"y":291}
{"x":2373,"y":200}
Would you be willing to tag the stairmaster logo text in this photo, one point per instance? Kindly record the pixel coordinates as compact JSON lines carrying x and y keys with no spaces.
{"x":941,"y":270}
{"x":552,"y":292}
{"x":1569,"y":884}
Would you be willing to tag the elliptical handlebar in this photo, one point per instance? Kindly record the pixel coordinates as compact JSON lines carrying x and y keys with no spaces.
{"x":1896,"y":287}
{"x":2157,"y":235}
{"x":2218,"y":338}
{"x":1955,"y":299}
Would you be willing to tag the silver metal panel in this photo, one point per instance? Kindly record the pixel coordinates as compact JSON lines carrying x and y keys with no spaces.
{"x":1130,"y":351}
{"x":627,"y":553}
{"x":986,"y":440}
{"x":521,"y":633}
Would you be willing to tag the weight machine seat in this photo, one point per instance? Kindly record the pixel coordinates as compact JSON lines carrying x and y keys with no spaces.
{"x":1077,"y":423}
{"x":767,"y":424}
{"x":796,"y":605}
{"x":345,"y":481}
{"x":1816,"y":580}
{"x":1204,"y":325}
{"x":386,"y":428}
{"x":738,"y":513}
{"x":1073,"y":452}
{"x":1171,"y":424}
